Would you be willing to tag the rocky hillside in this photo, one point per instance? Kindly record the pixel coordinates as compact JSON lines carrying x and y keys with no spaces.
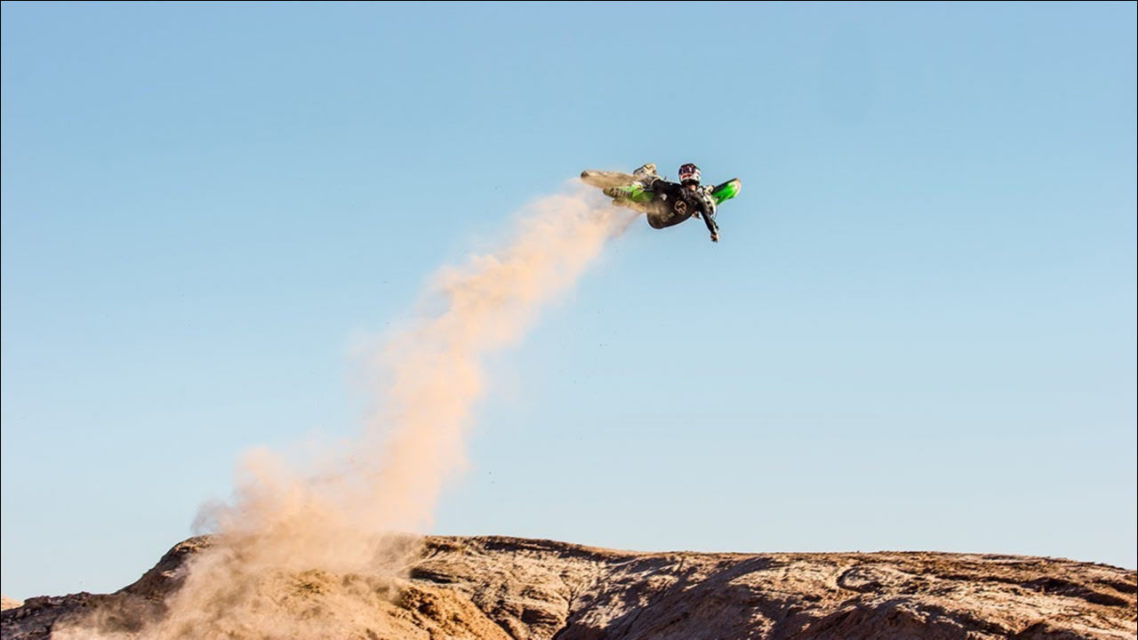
{"x":9,"y":603}
{"x":502,"y":588}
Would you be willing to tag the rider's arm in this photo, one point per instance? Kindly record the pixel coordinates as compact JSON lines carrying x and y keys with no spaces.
{"x":708,"y":215}
{"x":711,"y":226}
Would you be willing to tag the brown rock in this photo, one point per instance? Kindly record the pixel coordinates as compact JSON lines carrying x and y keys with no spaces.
{"x":500,"y":588}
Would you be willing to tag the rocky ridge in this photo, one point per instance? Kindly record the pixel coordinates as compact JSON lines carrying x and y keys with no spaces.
{"x":509,"y":588}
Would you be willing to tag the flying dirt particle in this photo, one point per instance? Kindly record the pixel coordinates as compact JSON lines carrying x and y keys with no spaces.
{"x":341,"y":517}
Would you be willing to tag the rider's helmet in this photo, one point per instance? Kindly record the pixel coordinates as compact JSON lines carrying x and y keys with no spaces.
{"x":689,"y":173}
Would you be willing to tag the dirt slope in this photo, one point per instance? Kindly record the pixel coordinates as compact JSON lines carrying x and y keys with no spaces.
{"x":501,"y":588}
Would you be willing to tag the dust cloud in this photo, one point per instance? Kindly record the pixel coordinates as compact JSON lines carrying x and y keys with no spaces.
{"x":353,"y":512}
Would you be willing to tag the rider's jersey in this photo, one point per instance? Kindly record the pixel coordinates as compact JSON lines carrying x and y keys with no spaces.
{"x":680,"y":203}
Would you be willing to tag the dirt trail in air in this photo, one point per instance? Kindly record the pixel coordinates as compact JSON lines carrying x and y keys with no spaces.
{"x":337,"y":516}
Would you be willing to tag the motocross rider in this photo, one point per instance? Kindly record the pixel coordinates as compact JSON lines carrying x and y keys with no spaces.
{"x":678,"y":202}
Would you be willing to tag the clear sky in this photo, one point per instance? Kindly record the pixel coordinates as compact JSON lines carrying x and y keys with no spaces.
{"x":917,"y":332}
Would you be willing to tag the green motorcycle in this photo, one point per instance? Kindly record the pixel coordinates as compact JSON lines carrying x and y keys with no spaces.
{"x":630,"y":187}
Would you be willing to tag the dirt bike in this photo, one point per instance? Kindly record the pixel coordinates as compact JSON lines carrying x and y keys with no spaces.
{"x":633,"y":190}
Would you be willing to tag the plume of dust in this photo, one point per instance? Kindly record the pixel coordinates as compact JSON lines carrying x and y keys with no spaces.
{"x":343,"y":519}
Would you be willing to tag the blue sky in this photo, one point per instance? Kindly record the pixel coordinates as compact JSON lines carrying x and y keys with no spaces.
{"x":917,"y":331}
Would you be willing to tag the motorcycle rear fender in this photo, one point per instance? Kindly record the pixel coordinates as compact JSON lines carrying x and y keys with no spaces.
{"x":726,"y":191}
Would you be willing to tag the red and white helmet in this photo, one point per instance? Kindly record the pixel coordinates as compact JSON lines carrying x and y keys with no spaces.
{"x":689,"y":173}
